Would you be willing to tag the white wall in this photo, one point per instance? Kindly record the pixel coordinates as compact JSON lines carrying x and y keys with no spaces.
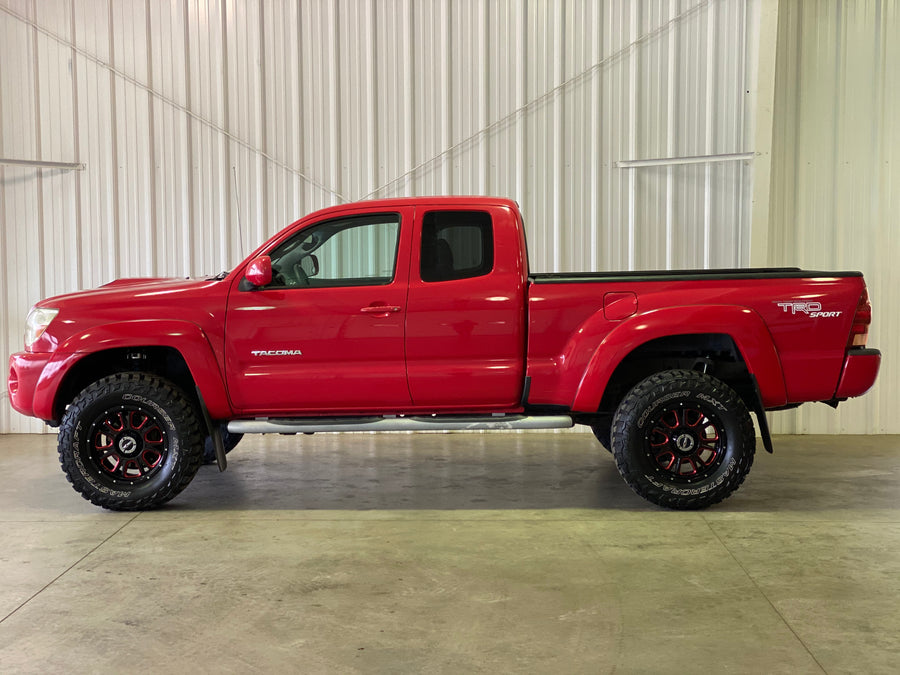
{"x":836,"y":177}
{"x":207,"y":125}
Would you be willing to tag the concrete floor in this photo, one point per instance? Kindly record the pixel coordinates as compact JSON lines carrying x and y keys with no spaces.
{"x":455,"y":553}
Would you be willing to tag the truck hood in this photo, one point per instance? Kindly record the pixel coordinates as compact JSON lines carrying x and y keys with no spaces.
{"x":140,"y":301}
{"x":131,"y":289}
{"x":142,"y":281}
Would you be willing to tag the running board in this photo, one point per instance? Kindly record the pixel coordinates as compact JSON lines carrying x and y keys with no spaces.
{"x":309,"y":425}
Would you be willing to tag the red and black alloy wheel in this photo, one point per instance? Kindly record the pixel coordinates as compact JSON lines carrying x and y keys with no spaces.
{"x":128,"y":443}
{"x":686,"y":443}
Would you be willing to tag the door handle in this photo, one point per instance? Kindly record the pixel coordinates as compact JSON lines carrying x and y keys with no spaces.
{"x":380,"y":309}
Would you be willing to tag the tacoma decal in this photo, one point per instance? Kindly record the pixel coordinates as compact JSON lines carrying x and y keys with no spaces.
{"x":276,"y":352}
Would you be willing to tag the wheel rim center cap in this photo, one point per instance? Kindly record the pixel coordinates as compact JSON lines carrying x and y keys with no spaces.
{"x":128,"y":445}
{"x":685,"y":442}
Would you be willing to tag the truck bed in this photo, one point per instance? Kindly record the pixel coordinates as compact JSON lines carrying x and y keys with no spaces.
{"x":684,"y":275}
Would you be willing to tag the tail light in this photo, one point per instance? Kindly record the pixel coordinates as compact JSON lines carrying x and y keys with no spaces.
{"x":859,"y":332}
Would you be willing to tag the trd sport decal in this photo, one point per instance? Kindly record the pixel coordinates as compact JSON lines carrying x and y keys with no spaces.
{"x":811,"y":309}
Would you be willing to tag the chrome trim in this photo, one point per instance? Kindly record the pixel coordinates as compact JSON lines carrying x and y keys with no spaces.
{"x":448,"y":423}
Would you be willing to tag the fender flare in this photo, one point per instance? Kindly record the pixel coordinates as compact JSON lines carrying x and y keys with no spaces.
{"x":187,"y":338}
{"x":743,"y":325}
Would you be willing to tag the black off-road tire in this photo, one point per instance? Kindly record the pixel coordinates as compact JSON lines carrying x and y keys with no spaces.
{"x":229,"y":440}
{"x":683,"y":439}
{"x":130,"y":442}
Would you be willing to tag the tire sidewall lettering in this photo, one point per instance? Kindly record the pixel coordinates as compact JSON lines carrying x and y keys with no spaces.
{"x":662,"y":400}
{"x":713,"y":402}
{"x":151,"y":404}
{"x":693,"y":491}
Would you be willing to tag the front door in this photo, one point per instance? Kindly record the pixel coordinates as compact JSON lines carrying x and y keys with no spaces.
{"x":328,"y":333}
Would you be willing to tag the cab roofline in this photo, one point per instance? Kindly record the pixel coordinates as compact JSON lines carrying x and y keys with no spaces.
{"x":396,"y":202}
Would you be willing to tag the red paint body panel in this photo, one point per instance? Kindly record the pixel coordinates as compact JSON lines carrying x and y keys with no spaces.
{"x":187,"y":315}
{"x":184,"y":336}
{"x":859,"y":374}
{"x":465,"y":339}
{"x":619,"y":305}
{"x":24,"y":372}
{"x":349,"y":359}
{"x":573,"y":349}
{"x":451,"y":346}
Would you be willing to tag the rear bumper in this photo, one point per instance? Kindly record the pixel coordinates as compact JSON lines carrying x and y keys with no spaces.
{"x":859,"y":372}
{"x":24,"y":373}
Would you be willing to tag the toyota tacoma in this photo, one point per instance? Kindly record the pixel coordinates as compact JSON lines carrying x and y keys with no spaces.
{"x":421,"y":314}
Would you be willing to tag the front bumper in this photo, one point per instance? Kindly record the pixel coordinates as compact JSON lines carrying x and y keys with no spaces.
{"x":25,"y":371}
{"x":859,"y":372}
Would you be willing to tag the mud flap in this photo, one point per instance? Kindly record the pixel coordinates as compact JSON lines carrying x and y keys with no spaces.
{"x":214,"y":433}
{"x":760,"y":411}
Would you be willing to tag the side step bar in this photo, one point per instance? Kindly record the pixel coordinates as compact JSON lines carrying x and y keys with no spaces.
{"x":309,"y":425}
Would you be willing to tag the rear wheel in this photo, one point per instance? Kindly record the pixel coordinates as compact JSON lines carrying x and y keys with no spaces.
{"x":683,"y":439}
{"x":130,"y":441}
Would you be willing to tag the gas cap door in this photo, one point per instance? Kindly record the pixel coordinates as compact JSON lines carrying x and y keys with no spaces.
{"x":619,"y":305}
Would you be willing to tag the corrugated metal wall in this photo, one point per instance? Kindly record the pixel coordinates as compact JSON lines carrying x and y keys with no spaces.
{"x":207,"y":125}
{"x":835,"y":179}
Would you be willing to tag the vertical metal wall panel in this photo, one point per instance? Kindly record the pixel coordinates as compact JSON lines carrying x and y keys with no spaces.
{"x":207,"y":125}
{"x":20,"y":192}
{"x":835,"y":187}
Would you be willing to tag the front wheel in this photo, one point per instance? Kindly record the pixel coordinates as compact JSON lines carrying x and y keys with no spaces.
{"x":683,"y":439}
{"x":130,"y":441}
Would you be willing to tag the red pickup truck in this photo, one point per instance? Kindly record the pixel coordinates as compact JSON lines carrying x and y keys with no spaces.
{"x":420,"y":313}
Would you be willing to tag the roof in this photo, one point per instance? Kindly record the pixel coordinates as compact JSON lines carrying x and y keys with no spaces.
{"x":467,"y":201}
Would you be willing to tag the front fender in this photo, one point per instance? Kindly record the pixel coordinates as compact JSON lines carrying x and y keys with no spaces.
{"x":743,"y":325}
{"x":187,"y":338}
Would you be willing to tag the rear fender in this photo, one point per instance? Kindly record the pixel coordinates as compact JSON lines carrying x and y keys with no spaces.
{"x":743,"y":325}
{"x":185,"y":337}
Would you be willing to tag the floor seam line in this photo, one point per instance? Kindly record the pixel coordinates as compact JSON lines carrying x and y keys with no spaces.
{"x":764,"y":595}
{"x":69,"y":568}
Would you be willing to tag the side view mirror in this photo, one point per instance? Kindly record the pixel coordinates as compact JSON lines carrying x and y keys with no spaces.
{"x":259,"y":271}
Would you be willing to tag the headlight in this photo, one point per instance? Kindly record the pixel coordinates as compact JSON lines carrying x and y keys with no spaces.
{"x":36,"y":323}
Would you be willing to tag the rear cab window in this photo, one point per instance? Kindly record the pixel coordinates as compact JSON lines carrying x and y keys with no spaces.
{"x":456,"y":245}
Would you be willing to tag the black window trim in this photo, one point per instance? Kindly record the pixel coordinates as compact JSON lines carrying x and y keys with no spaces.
{"x":361,"y":281}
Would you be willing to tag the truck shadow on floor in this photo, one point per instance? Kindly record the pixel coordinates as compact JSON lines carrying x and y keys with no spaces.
{"x":410,"y":472}
{"x":521,"y":471}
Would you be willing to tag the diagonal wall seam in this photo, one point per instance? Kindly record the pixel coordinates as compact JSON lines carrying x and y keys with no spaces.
{"x":546,"y":96}
{"x":171,"y":102}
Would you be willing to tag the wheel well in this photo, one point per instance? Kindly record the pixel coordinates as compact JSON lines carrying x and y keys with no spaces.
{"x":166,"y":362}
{"x":713,"y":353}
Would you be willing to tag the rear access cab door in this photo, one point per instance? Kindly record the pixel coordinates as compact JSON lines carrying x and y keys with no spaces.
{"x":465,"y":322}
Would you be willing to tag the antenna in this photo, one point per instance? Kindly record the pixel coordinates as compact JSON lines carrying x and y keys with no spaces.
{"x":237,"y":200}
